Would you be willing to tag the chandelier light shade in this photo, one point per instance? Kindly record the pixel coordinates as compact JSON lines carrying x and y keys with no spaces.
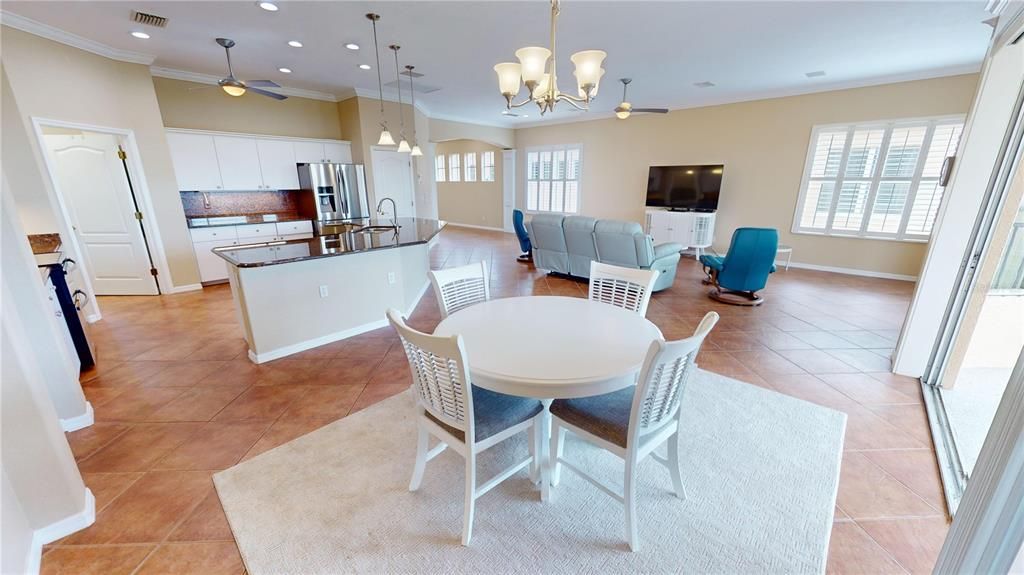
{"x":403,"y":146}
{"x":385,"y":137}
{"x":537,"y":71}
{"x":416,"y":151}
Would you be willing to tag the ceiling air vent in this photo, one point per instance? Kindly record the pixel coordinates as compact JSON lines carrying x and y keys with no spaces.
{"x":149,"y":19}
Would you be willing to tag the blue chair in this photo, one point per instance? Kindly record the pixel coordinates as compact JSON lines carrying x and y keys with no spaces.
{"x":744,"y":270}
{"x":523,"y":235}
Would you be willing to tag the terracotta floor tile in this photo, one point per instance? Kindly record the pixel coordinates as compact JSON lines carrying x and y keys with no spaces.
{"x":333,"y":401}
{"x":767,"y":363}
{"x":393,"y":369}
{"x":285,"y":430}
{"x":214,"y":446}
{"x":206,"y":523}
{"x":183,"y":374}
{"x":910,"y":386}
{"x":106,"y":487}
{"x":261,"y":403}
{"x":866,"y":390}
{"x":823,"y":339}
{"x":289,"y":372}
{"x":816,"y":361}
{"x":373,"y":393}
{"x":138,"y":404}
{"x":866,"y":339}
{"x":148,"y":510}
{"x":365,"y":347}
{"x":866,"y":491}
{"x":914,"y":543}
{"x":350,"y":371}
{"x":128,"y":373}
{"x":97,"y":396}
{"x":852,"y":552}
{"x":87,"y":441}
{"x":912,"y":419}
{"x":809,"y":388}
{"x":221,"y":349}
{"x":861,"y":359}
{"x":915,"y":468}
{"x":106,"y":560}
{"x":234,"y":373}
{"x":776,"y":339}
{"x":208,"y":558}
{"x":734,"y":341}
{"x":198,"y":404}
{"x":865,"y":430}
{"x":138,"y":448}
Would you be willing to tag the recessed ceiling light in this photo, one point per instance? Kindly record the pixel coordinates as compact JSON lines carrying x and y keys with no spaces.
{"x":352,"y":46}
{"x":364,"y":66}
{"x":285,"y":70}
{"x":141,"y":35}
{"x":704,"y":84}
{"x":295,"y":43}
{"x":268,"y":6}
{"x":815,"y":74}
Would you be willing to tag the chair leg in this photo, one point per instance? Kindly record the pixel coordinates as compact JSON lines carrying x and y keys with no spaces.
{"x":629,"y":499}
{"x":422,"y":442}
{"x":557,"y":447}
{"x":535,"y":449}
{"x":673,"y":466}
{"x":470,"y":502}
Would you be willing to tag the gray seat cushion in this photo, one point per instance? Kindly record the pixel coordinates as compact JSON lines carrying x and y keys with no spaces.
{"x":606,"y":416}
{"x":495,"y":412}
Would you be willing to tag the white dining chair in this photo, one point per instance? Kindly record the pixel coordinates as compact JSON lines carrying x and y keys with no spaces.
{"x":460,"y":287}
{"x":467,"y":418}
{"x":622,"y":287}
{"x":631,"y":423}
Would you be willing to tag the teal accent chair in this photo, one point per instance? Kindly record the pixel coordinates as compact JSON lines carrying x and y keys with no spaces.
{"x":745,"y":268}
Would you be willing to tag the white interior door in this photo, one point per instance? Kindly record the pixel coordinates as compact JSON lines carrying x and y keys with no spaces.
{"x":508,"y":189}
{"x":392,"y":178}
{"x":92,"y":182}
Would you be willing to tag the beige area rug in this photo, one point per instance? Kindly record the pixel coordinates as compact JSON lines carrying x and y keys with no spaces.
{"x":761,"y":470}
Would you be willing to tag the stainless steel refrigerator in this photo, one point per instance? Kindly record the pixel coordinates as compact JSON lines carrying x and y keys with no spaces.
{"x":338,"y":190}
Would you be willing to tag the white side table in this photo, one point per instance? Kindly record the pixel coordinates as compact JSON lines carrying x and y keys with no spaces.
{"x":788,"y":250}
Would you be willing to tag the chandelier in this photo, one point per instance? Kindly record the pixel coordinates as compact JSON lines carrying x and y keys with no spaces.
{"x":541,"y":84}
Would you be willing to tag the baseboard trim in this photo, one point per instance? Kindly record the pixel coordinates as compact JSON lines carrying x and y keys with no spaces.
{"x":781,"y":265}
{"x":332,"y":337}
{"x":60,"y":529}
{"x":93,"y":317}
{"x":79,"y":421}
{"x":185,"y":288}
{"x":471,"y":226}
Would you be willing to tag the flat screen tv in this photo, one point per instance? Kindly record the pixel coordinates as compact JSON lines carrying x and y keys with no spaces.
{"x":689,"y":188}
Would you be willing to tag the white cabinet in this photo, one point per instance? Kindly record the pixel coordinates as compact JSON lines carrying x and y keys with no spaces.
{"x":316,"y":152}
{"x":195,"y":161}
{"x":691,"y":229}
{"x":239,"y":162}
{"x":211,"y":266}
{"x":277,"y":164}
{"x":301,"y":227}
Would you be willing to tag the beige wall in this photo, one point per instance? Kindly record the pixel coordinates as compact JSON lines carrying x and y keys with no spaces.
{"x":446,"y":130}
{"x":204,"y":107}
{"x":53,"y":81}
{"x":763,"y":145}
{"x":474,"y":203}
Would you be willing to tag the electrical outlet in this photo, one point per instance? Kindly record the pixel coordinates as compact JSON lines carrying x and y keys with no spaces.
{"x":323,"y":291}
{"x":391,"y":277}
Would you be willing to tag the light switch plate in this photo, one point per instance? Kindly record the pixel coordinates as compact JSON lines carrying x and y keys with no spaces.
{"x":323,"y":291}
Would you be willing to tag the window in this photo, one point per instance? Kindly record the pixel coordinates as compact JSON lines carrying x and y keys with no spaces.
{"x":439,"y":168}
{"x":487,"y":167}
{"x":878,"y":180}
{"x":471,"y":167}
{"x":553,"y":179}
{"x":454,"y":171}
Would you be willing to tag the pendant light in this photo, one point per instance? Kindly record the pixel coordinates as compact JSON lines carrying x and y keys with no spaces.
{"x":403,"y":145}
{"x":385,"y":135}
{"x":416,"y":151}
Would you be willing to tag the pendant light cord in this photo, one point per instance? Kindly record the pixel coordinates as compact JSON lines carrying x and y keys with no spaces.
{"x":412,"y":98}
{"x":398,"y":83}
{"x":376,"y":50}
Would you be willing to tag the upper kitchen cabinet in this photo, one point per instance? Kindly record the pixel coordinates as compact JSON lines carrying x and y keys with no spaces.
{"x":277,"y":163}
{"x":239,"y":162}
{"x":318,"y":152}
{"x":195,"y":161}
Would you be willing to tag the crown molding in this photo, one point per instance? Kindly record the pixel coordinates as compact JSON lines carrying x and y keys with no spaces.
{"x":594,"y":116}
{"x":198,"y":78}
{"x":389,"y":96}
{"x":73,"y":40}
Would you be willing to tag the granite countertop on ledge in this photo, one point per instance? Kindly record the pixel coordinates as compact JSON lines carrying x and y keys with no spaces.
{"x":411,"y":231}
{"x":44,"y":243}
{"x":241,"y":219}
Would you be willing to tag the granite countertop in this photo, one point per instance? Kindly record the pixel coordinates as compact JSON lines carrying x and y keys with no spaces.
{"x":412,"y":231}
{"x":240,"y":219}
{"x":44,"y":243}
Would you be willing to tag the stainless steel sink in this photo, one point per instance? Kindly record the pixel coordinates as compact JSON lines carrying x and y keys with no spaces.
{"x":377,"y":229}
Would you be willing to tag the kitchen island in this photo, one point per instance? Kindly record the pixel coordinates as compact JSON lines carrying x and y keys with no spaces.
{"x":295,"y":295}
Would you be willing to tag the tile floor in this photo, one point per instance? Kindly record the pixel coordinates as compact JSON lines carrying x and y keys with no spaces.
{"x":176,"y":400}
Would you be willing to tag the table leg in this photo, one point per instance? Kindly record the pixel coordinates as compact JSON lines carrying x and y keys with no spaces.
{"x":545,"y":448}
{"x":788,"y":258}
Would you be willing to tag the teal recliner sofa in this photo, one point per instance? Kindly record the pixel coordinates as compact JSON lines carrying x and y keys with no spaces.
{"x":567,"y":245}
{"x":744,"y":270}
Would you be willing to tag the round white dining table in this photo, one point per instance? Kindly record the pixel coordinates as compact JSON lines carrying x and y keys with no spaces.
{"x":550,"y":347}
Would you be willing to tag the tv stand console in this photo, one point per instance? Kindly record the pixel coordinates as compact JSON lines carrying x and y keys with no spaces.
{"x":691,"y":229}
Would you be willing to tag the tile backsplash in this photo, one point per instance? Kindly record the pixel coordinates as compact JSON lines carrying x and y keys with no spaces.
{"x":239,"y":203}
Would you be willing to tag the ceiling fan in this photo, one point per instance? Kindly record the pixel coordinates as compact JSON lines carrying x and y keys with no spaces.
{"x":236,"y":87}
{"x":623,"y":110}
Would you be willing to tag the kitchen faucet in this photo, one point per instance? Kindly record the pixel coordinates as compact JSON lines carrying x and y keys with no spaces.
{"x":394,"y":210}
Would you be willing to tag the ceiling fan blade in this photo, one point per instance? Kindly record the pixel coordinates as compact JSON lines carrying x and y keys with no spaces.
{"x":266,"y":93}
{"x":262,"y":84}
{"x":652,"y":110}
